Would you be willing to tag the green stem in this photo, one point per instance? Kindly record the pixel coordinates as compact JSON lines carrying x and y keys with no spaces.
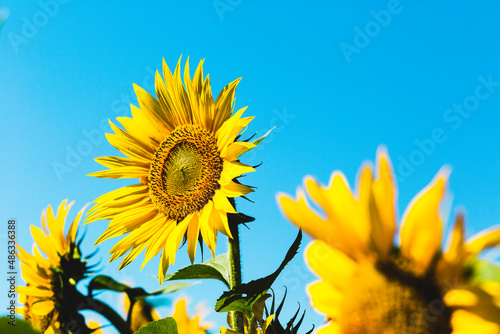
{"x":236,"y":318}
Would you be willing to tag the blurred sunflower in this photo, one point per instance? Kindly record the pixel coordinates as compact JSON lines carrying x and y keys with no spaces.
{"x":143,"y":312}
{"x":49,"y":296}
{"x":184,"y":150}
{"x":369,"y":285}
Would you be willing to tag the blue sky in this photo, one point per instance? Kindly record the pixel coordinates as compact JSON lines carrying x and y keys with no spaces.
{"x":336,"y":79}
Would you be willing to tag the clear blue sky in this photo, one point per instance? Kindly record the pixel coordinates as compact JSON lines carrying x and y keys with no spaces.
{"x":336,"y":78}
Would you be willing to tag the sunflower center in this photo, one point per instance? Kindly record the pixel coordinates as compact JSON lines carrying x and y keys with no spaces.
{"x":390,"y":299}
{"x":185,"y":172}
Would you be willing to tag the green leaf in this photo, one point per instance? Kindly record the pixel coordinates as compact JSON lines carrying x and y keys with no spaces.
{"x":163,"y":326}
{"x":17,"y":326}
{"x":173,"y":288}
{"x":243,"y":297}
{"x":103,"y":282}
{"x":214,"y":268}
{"x":485,"y":271}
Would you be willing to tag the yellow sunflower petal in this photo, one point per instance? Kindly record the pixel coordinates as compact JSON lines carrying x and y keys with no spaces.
{"x":325,"y":298}
{"x":222,"y":203}
{"x":43,"y":242}
{"x":238,"y":148}
{"x":193,"y":231}
{"x":483,"y":240}
{"x":422,"y":225}
{"x":331,"y":328}
{"x":466,"y":322}
{"x":346,"y":216}
{"x":299,"y":212}
{"x":42,"y":308}
{"x":233,"y":189}
{"x":152,"y":111}
{"x":330,"y":264}
{"x":34,"y":291}
{"x":383,"y":207}
{"x":232,"y":170}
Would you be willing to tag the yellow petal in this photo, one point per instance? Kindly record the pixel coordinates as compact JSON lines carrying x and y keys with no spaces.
{"x":233,"y":169}
{"x":42,"y":308}
{"x":331,"y":328}
{"x":236,"y":149}
{"x":35,"y":291}
{"x":152,"y":111}
{"x":331,"y":264}
{"x":208,"y":233}
{"x":233,"y":189}
{"x":43,"y":242}
{"x":222,"y":203}
{"x":193,"y":232}
{"x":348,"y":217}
{"x":467,"y":322}
{"x":483,"y":241}
{"x":383,"y":206}
{"x":299,"y":212}
{"x":325,"y":298}
{"x":422,"y":225}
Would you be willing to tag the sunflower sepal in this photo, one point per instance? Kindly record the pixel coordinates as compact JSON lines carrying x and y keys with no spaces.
{"x":166,"y":325}
{"x":240,"y":218}
{"x":275,"y":327}
{"x":483,"y":271}
{"x":243,"y":297}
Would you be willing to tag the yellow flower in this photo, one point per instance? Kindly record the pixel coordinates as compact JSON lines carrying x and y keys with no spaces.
{"x":143,"y":312}
{"x":47,"y":278}
{"x":185,"y":324}
{"x":183,"y":148}
{"x":370,"y":285}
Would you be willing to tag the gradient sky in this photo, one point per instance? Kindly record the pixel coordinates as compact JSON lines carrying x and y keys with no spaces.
{"x":336,"y":79}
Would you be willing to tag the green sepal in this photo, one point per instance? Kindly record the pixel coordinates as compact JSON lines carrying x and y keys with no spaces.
{"x":484,"y":271}
{"x":239,"y":218}
{"x":162,"y":326}
{"x":242,"y":298}
{"x":214,"y":268}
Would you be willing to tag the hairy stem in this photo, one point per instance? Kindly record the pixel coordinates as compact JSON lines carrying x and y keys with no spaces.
{"x":236,"y":318}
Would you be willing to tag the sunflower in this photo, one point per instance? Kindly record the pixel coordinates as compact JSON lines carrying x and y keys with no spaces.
{"x":184,"y":149}
{"x":143,"y":313}
{"x":52,"y":279}
{"x":370,"y":285}
{"x":186,"y":324}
